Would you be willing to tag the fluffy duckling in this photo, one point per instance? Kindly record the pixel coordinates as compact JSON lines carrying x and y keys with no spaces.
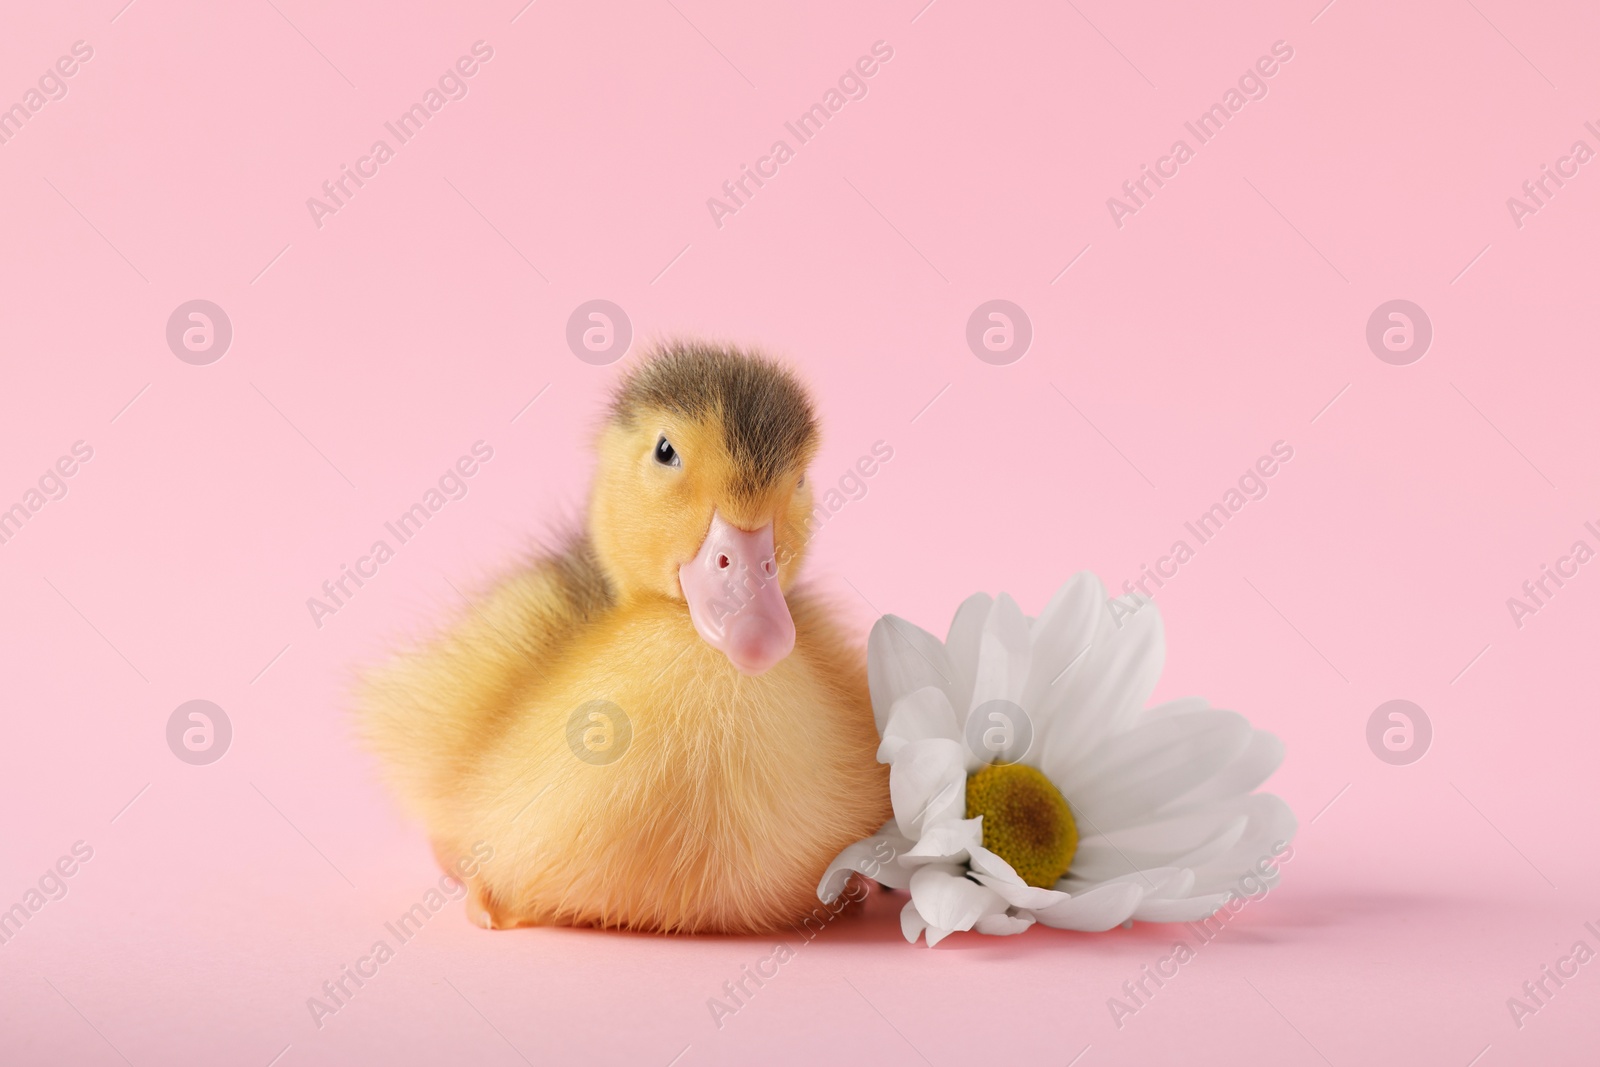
{"x":652,"y":728}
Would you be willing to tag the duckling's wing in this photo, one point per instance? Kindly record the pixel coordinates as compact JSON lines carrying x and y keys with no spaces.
{"x":429,"y":713}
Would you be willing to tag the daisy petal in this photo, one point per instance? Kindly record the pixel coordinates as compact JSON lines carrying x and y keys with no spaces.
{"x":1020,"y":894}
{"x":1061,"y":638}
{"x":1180,"y":706}
{"x":1159,"y":882}
{"x":1003,"y":925}
{"x":1171,"y":883}
{"x":966,"y":632}
{"x":993,"y":864}
{"x":1003,"y":654}
{"x":876,"y":857}
{"x":1108,"y":689}
{"x":911,"y":922}
{"x":1225,"y":839}
{"x":901,"y":658}
{"x":918,"y":716}
{"x":948,"y":842}
{"x":1182,"y":829}
{"x":1098,"y":909}
{"x":947,"y":899}
{"x":927,"y":784}
{"x":994,"y":872}
{"x":1136,"y":773}
{"x":1247,"y":771}
{"x":1169,"y":842}
{"x":1271,"y":823}
{"x":1184,"y":910}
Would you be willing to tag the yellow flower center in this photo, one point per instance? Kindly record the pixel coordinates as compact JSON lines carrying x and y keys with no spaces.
{"x":1026,"y":821}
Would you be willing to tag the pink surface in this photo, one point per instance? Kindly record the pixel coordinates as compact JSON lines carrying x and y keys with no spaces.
{"x":1228,"y":312}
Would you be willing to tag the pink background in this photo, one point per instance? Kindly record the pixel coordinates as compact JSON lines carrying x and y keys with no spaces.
{"x":1223,"y":317}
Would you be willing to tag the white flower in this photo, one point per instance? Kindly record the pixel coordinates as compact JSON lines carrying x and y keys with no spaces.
{"x":1160,"y":801}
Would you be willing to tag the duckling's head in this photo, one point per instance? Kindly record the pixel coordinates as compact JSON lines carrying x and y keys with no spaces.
{"x":701,"y":495}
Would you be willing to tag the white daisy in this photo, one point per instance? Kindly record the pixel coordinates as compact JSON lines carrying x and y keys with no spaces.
{"x":1031,"y":783}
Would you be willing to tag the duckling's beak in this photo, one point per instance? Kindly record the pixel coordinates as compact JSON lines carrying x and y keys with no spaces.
{"x":734,"y":598}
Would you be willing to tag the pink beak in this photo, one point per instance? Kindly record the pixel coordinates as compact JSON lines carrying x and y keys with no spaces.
{"x":734,"y":599}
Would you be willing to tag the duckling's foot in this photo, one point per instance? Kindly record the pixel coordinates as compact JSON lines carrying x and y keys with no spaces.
{"x":483,"y":912}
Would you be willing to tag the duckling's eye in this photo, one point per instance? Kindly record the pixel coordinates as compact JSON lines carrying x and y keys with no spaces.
{"x":666,"y":455}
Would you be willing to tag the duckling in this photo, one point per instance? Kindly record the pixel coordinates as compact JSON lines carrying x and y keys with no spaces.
{"x":652,"y":728}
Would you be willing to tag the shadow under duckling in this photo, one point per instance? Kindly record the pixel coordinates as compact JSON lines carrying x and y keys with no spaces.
{"x":653,"y":728}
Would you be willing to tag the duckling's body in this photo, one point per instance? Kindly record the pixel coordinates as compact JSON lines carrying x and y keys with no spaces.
{"x":624,"y":771}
